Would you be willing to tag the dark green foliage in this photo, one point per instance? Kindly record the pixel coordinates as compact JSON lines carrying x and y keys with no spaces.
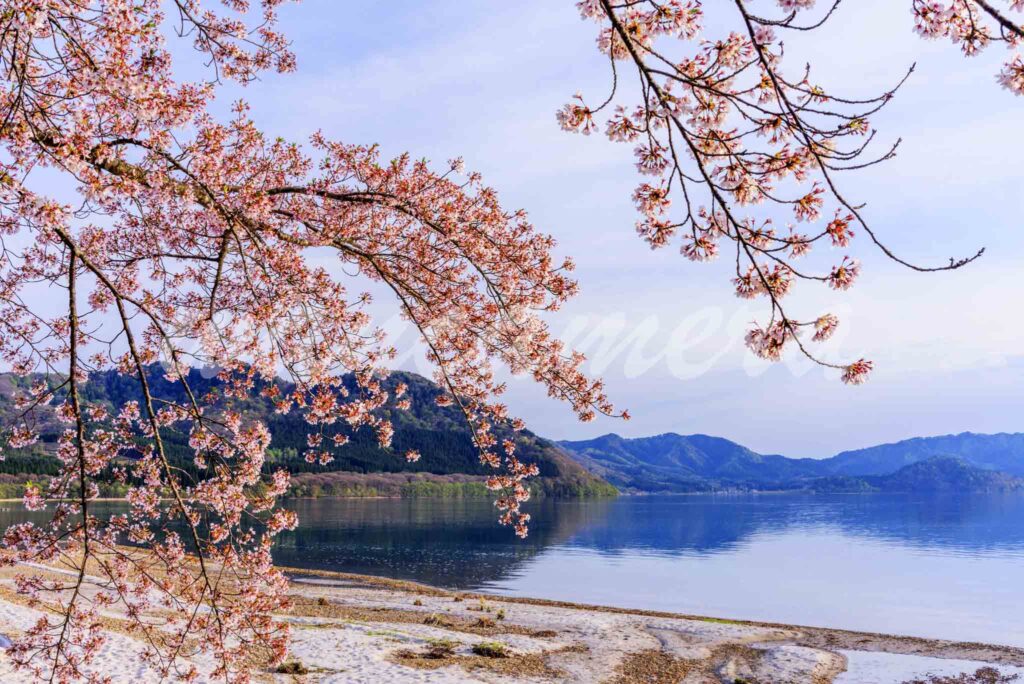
{"x":12,"y":486}
{"x":35,"y":462}
{"x":440,"y":434}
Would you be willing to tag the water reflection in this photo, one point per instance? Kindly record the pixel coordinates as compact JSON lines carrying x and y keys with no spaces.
{"x":456,"y":543}
{"x":451,"y":543}
{"x":704,"y":525}
{"x":948,"y":567}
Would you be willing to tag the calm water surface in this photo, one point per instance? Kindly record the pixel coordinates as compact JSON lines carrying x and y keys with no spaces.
{"x":949,"y":567}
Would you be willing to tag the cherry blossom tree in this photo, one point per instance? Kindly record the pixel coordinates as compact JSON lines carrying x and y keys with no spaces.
{"x":722,"y":127}
{"x":186,"y":229}
{"x":194,"y":239}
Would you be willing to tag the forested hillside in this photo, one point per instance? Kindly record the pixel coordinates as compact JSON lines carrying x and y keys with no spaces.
{"x":440,"y":434}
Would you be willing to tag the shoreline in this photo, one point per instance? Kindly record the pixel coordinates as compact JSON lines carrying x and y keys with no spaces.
{"x":626,"y":494}
{"x":361,"y":628}
{"x":1014,"y":655}
{"x":597,"y":643}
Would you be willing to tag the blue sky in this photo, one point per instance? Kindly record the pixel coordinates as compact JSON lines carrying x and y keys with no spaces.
{"x":482,"y":80}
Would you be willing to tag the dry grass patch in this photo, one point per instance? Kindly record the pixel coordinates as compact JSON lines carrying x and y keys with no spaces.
{"x":651,"y":667}
{"x":484,"y":626}
{"x":544,"y":633}
{"x":511,"y":664}
{"x":491,"y":649}
{"x":292,"y":667}
{"x":984,"y":675}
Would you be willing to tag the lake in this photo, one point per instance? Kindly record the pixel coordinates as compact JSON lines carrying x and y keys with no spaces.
{"x":933,"y":566}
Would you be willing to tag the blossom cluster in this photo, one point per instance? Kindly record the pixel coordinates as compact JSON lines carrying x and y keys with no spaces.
{"x":739,"y":159}
{"x":975,"y":26}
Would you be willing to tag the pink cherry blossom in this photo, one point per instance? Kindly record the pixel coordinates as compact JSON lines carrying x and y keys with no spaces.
{"x":974,"y":26}
{"x":724,"y":125}
{"x":197,"y":240}
{"x":857,"y":372}
{"x":824,"y":327}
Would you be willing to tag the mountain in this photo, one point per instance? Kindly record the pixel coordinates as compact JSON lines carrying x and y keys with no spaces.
{"x":449,"y":466}
{"x":936,"y":474}
{"x":1001,"y":451}
{"x":682,"y":463}
{"x":686,"y":463}
{"x":440,"y":434}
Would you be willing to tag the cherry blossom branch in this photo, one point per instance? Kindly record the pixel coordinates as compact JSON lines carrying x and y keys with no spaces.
{"x":723,"y":121}
{"x":194,"y":237}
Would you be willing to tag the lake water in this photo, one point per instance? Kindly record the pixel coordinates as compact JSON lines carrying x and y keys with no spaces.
{"x":948,"y":567}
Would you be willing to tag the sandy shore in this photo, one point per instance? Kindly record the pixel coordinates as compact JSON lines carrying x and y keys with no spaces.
{"x":351,"y":628}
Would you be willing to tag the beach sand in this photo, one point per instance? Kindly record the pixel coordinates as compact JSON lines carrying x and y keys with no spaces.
{"x":356,"y":629}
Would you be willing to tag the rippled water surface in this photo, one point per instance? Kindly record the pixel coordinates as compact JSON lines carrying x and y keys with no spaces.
{"x":950,"y":567}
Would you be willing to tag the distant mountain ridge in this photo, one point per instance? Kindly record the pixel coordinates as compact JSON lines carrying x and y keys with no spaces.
{"x":672,"y":462}
{"x":668,"y":462}
{"x":691,"y":463}
{"x":936,"y":474}
{"x":1002,"y":451}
